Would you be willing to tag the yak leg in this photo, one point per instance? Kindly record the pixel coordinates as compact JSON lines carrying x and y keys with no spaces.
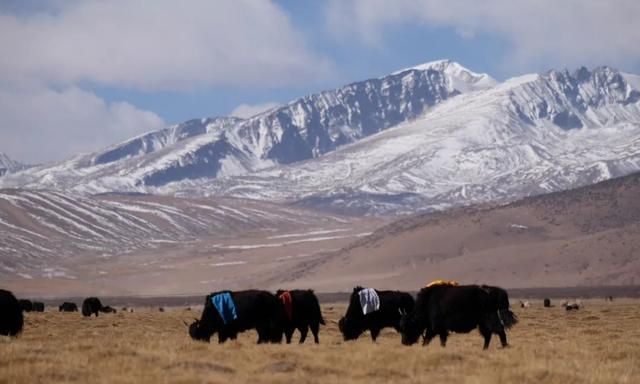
{"x":304,"y":329}
{"x":486,"y":333}
{"x":288,"y":333}
{"x":315,"y":327}
{"x":427,"y":337}
{"x":443,"y":338}
{"x":503,"y":338}
{"x":263,"y":334}
{"x":374,"y":333}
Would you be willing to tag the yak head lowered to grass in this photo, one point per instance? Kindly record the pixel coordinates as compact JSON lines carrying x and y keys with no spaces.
{"x":200,"y":331}
{"x":209,"y":323}
{"x":412,"y":326}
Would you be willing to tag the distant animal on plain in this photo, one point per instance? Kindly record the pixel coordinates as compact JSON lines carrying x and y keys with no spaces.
{"x":392,"y":305}
{"x":524,"y":304}
{"x":93,"y":306}
{"x":161,"y":309}
{"x":442,"y":309}
{"x":11,"y":317}
{"x":303,"y":313}
{"x":68,"y":307}
{"x":571,"y":306}
{"x":38,"y":306}
{"x":26,"y":305}
{"x":239,"y":311}
{"x":609,"y":298}
{"x":547,"y":303}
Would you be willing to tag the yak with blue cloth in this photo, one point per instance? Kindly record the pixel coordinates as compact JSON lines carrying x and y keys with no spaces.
{"x":231,"y":312}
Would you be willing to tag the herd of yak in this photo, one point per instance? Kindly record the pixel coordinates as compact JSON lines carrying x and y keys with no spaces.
{"x":437,"y":310}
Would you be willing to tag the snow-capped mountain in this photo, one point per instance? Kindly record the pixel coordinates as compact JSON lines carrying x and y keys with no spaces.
{"x":303,"y":129}
{"x":529,"y":135}
{"x":426,"y":137}
{"x":8,"y":165}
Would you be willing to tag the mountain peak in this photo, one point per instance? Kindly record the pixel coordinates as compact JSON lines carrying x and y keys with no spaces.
{"x":8,"y":164}
{"x":458,"y":77}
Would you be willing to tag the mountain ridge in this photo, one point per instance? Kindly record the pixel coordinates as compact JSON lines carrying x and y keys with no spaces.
{"x":9,"y":165}
{"x":415,"y":139}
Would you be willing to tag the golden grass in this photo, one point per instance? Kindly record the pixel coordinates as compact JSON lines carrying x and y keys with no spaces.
{"x":597,"y":344}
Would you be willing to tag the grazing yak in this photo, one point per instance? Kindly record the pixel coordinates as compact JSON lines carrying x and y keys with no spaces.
{"x":38,"y":306}
{"x":11,"y":318}
{"x":26,"y":305}
{"x":443,"y":309}
{"x":108,"y":309}
{"x":360,"y":316}
{"x":302,"y":311}
{"x":68,"y":307}
{"x":229,"y":313}
{"x":571,"y":306}
{"x":547,"y":303}
{"x":92,"y":305}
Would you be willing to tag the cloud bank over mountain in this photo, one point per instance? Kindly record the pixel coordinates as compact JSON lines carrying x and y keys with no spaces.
{"x":541,"y":34}
{"x":52,"y":56}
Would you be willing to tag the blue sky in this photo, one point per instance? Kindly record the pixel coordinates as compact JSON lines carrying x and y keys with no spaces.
{"x":76,"y":76}
{"x":402,"y":46}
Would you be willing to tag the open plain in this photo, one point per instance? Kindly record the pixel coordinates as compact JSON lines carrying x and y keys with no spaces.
{"x":600,"y":343}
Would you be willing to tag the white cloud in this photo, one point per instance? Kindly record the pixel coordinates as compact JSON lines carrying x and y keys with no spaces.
{"x":245,"y":110}
{"x":53,"y":51}
{"x":164,"y":44}
{"x":541,"y":33}
{"x":39,"y":124}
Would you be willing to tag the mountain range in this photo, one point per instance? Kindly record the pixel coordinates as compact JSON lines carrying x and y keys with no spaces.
{"x":9,"y":165}
{"x":428,"y":137}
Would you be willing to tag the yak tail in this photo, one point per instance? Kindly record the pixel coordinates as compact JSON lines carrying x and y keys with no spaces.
{"x":322,"y":320}
{"x":508,"y":318}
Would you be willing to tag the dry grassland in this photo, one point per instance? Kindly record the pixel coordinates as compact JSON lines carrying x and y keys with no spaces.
{"x":598,"y":344}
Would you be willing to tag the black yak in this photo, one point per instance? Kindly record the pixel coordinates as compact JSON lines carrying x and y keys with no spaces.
{"x":392,"y":304}
{"x":93,"y":306}
{"x":571,"y":306}
{"x":68,"y":307}
{"x":303,"y":312}
{"x":11,"y":318}
{"x":442,"y":309}
{"x":108,"y":309}
{"x":26,"y":305}
{"x":38,"y":306}
{"x":244,"y":310}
